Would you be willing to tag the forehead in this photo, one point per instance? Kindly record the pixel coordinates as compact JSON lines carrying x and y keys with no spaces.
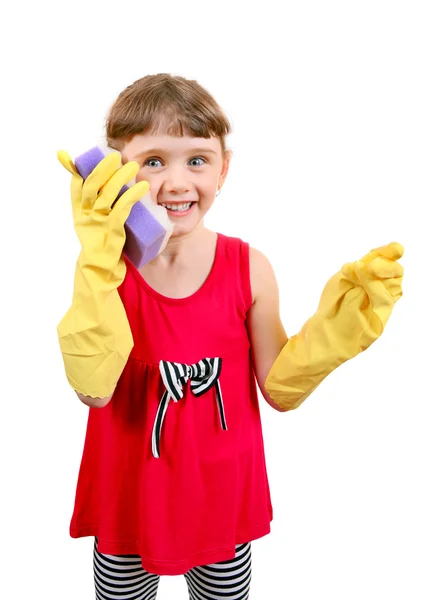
{"x":145,"y":143}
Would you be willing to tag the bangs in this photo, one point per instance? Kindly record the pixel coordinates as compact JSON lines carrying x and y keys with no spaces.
{"x":173,"y":107}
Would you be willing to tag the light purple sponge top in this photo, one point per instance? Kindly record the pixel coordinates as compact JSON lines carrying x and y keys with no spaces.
{"x":148,"y":226}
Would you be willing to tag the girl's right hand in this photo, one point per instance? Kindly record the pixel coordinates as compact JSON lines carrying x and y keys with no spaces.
{"x":99,"y":218}
{"x":94,"y":336}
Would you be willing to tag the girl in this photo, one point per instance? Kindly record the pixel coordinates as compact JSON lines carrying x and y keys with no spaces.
{"x":173,"y":477}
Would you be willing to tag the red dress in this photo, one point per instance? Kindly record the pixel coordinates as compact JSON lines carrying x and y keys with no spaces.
{"x":208,"y":490}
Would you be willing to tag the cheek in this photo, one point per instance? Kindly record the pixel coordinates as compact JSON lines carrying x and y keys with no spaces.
{"x":212,"y":187}
{"x":140,"y":177}
{"x":152,"y":181}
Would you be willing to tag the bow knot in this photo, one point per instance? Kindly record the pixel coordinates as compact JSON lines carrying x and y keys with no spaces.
{"x":202,"y":377}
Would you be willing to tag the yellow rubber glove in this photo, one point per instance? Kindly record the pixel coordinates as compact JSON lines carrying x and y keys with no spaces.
{"x":354,"y":308}
{"x":94,"y":335}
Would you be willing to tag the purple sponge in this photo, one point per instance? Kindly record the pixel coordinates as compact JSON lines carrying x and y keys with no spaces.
{"x":148,"y":227}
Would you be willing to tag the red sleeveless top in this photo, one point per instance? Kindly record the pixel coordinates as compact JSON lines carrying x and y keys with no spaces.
{"x":173,"y":468}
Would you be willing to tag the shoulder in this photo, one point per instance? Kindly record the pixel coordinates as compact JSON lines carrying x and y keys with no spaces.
{"x":262,"y":276}
{"x":260,"y":271}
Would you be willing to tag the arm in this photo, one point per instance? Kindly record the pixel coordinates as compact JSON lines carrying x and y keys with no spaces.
{"x":353,"y":311}
{"x":266,"y":332}
{"x":94,"y":335}
{"x":93,"y":402}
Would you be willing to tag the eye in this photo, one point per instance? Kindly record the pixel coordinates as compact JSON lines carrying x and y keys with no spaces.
{"x":194,"y":162}
{"x":153,"y":162}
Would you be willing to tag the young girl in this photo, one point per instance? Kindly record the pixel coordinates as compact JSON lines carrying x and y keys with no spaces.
{"x":173,"y":477}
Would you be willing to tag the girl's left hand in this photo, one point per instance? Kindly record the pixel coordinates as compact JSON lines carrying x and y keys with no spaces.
{"x":380,"y":276}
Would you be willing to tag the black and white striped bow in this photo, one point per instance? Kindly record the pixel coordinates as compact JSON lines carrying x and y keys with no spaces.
{"x":202,"y":376}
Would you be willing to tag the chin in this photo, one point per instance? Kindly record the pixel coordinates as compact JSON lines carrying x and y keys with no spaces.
{"x":182,"y":229}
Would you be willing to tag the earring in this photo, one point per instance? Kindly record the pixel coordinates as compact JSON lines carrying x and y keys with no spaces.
{"x":218,"y":192}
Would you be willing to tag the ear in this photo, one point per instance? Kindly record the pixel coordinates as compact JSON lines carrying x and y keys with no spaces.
{"x":225,"y":166}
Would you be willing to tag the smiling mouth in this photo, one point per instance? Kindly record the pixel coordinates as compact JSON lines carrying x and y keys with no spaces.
{"x":177,"y":206}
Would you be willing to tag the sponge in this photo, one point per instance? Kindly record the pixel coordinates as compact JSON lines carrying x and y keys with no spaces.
{"x":148,"y":227}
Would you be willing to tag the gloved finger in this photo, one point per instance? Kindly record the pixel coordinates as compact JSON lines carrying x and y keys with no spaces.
{"x":390,"y":274}
{"x":383,"y":268}
{"x":98,"y":178}
{"x":66,"y":161}
{"x":76,"y":194}
{"x":392,"y":251}
{"x":381,"y":300}
{"x":353,"y":299}
{"x":348,"y":270}
{"x":76,"y":182}
{"x":333,"y":294}
{"x":379,"y":268}
{"x":111,"y":189}
{"x":124,"y":205}
{"x":394,"y":287}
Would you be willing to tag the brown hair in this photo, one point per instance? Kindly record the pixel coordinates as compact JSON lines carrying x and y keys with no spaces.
{"x":179,"y":105}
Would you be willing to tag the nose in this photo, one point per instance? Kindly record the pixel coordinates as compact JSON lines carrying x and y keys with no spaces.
{"x":176,"y":181}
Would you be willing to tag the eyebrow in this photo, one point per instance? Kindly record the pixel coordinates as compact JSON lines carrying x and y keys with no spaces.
{"x":153,"y":151}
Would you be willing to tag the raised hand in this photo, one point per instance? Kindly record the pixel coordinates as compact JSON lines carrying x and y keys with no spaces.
{"x":354,"y":308}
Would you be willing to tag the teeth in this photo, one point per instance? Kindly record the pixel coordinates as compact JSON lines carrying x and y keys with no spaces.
{"x":177,"y":207}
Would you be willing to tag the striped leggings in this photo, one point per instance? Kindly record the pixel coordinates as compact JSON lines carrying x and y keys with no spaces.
{"x":123,"y":578}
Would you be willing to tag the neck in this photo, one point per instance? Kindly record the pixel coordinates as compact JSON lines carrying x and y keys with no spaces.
{"x":180,"y":246}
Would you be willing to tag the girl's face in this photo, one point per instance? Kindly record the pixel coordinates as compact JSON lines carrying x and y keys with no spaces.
{"x":184,"y":174}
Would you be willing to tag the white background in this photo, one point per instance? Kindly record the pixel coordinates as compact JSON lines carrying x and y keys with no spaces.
{"x":327,"y":104}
